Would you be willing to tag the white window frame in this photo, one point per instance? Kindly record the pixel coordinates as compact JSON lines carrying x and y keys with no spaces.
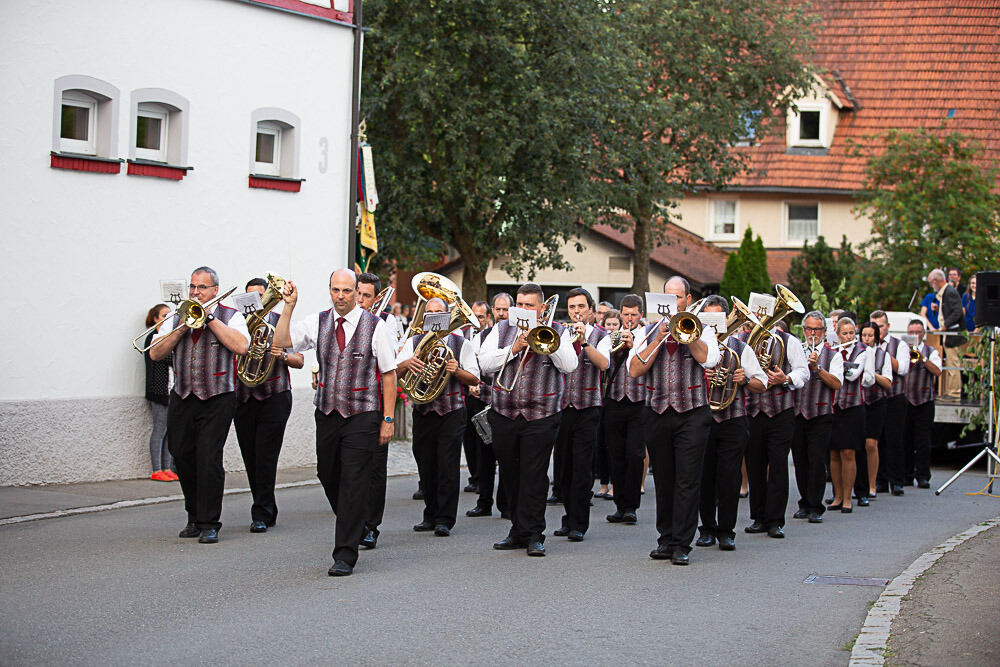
{"x":786,"y":224}
{"x":268,"y":168}
{"x":795,"y":138}
{"x":74,"y":98}
{"x":151,"y":154}
{"x":711,"y":232}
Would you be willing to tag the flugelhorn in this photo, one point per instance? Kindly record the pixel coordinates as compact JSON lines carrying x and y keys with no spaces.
{"x":192,"y":315}
{"x":542,"y":339}
{"x":255,"y":366}
{"x":769,"y":347}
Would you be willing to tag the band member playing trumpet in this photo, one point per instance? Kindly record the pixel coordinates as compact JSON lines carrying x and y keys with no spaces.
{"x":891,"y":438}
{"x":921,"y":387}
{"x":581,"y":414}
{"x":202,"y":402}
{"x":814,"y":418}
{"x":727,"y":441}
{"x":261,"y":414}
{"x":849,"y":415}
{"x":623,"y":411}
{"x":525,"y":420}
{"x":353,"y":418}
{"x":438,"y":427}
{"x":676,"y":423}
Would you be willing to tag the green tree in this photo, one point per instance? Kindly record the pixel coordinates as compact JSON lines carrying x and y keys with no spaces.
{"x":482,"y":114}
{"x":821,"y":262}
{"x":705,"y":76}
{"x":931,"y":202}
{"x":746,"y":269}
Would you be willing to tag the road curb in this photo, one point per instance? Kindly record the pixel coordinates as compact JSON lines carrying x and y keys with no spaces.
{"x":869,"y":648}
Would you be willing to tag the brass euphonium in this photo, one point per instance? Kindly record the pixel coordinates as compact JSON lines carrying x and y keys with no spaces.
{"x":427,"y":385}
{"x":255,"y":366}
{"x":722,"y":390}
{"x":769,"y":347}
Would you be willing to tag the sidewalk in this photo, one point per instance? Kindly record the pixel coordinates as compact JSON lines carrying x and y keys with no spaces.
{"x":18,"y":501}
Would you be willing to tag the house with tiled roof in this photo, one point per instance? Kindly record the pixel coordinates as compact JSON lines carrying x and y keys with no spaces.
{"x":881,"y":64}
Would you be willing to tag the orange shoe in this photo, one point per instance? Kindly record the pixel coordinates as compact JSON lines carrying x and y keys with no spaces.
{"x":171,"y":475}
{"x":159,"y":476}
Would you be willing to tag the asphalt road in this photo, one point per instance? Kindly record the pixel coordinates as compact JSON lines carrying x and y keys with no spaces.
{"x":119,"y":587}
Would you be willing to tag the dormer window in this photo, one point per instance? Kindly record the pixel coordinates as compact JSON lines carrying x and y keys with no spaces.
{"x":808,"y":125}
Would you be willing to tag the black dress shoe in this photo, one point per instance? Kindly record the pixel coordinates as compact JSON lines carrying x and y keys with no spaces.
{"x":834,"y":508}
{"x":829,"y":501}
{"x":575,"y":536}
{"x":754,"y":528}
{"x":369,"y":541}
{"x":744,"y":494}
{"x":897,"y":491}
{"x":873,"y":496}
{"x":863,"y":502}
{"x":662,"y":552}
{"x":209,"y":536}
{"x":924,"y":484}
{"x":258,"y":527}
{"x":801,"y":514}
{"x":190,"y":530}
{"x":442,"y":530}
{"x":776,"y":532}
{"x":471,"y":488}
{"x":417,"y":495}
{"x":705,"y":541}
{"x":340,"y":569}
{"x":562,"y":531}
{"x":846,"y":510}
{"x":815,"y":518}
{"x":727,"y":543}
{"x":553,"y":500}
{"x":617,"y":517}
{"x":508,"y":544}
{"x":680,"y":558}
{"x":423,"y":526}
{"x":629,"y":518}
{"x":479,"y":511}
{"x":536,"y":549}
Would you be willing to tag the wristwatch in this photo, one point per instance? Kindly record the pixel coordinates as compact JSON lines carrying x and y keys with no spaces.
{"x":584,"y":344}
{"x":387,"y":420}
{"x":284,"y":355}
{"x":209,"y":318}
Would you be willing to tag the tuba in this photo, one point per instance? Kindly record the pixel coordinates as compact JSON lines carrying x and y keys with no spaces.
{"x":427,"y":385}
{"x":722,"y":390}
{"x":543,"y":339}
{"x":192,"y":315}
{"x":255,"y":366}
{"x":769,"y":347}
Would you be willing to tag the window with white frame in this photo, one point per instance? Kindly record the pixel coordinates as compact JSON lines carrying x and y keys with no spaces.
{"x":274,"y":143}
{"x":723,"y":217}
{"x":78,"y":123}
{"x":267,"y":154}
{"x":152,"y":124}
{"x":807,"y":125}
{"x":158,"y":126}
{"x":803,"y":222}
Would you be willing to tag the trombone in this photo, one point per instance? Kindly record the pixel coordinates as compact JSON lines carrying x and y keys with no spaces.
{"x":684,"y":327}
{"x":192,"y":315}
{"x":543,"y":340}
{"x":382,"y":300}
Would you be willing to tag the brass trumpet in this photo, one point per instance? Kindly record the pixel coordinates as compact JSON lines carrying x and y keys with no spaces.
{"x":542,"y":339}
{"x":255,"y":366}
{"x":915,"y":356}
{"x":192,"y":315}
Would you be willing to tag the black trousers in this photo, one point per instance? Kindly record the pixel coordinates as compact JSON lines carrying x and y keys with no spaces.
{"x":260,"y":429}
{"x":578,"y":438}
{"x":767,"y":449}
{"x":523,"y":449}
{"x":196,"y":435}
{"x":917,"y":454}
{"x":891,"y":443}
{"x":722,"y":476}
{"x":437,"y":448}
{"x":486,"y":474}
{"x":810,"y":449}
{"x":470,"y":441}
{"x":376,"y":488}
{"x":626,"y":444}
{"x":345,"y":448}
{"x":602,"y":458}
{"x":677,"y":442}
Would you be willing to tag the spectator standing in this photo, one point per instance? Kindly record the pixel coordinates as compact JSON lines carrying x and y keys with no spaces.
{"x":969,"y":304}
{"x":929,"y":309}
{"x":955,"y":280}
{"x":158,"y":395}
{"x":952,"y":319}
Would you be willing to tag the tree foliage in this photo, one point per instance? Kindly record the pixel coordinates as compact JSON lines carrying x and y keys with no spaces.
{"x":746,"y":269}
{"x":819,"y":261}
{"x":704,"y":77}
{"x":931,"y":204}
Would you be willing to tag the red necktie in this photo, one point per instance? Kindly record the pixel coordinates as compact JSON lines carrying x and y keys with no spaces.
{"x":195,"y":335}
{"x":671,"y":346}
{"x":341,"y":343}
{"x":843,"y":353}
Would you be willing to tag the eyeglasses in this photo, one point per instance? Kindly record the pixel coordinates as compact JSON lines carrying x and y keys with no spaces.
{"x":814,"y":328}
{"x":200,"y":288}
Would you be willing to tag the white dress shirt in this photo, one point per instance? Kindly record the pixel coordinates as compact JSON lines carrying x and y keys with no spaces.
{"x":305,"y":335}
{"x":866,"y":368}
{"x":491,"y":357}
{"x":467,"y":356}
{"x":708,"y":337}
{"x":799,"y":374}
{"x":751,"y":366}
{"x":603,"y":346}
{"x":902,"y":356}
{"x":237,"y":323}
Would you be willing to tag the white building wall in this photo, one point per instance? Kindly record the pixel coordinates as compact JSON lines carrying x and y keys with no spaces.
{"x":84,"y":252}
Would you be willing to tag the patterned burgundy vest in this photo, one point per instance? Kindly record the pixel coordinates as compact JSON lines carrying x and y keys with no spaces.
{"x":851,"y":393}
{"x":583,"y":386}
{"x":205,"y":368}
{"x":775,"y":400}
{"x":622,"y":385}
{"x":278,"y":381}
{"x":738,"y":408}
{"x":348,"y":380}
{"x":453,"y":396}
{"x":815,"y":399}
{"x":538,"y":392}
{"x":876,"y":393}
{"x":921,"y":386}
{"x":674,"y":380}
{"x":898,"y":381}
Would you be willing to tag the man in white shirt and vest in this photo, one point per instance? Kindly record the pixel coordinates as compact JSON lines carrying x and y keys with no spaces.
{"x":921,"y":388}
{"x":202,"y":402}
{"x":353,"y":416}
{"x":676,"y":424}
{"x":525,"y":421}
{"x":890,"y":474}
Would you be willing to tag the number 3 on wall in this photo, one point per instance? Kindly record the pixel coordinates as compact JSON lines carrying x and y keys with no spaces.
{"x":323,"y":144}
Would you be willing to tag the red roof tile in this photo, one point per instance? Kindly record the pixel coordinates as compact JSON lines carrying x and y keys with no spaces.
{"x":683,"y":253}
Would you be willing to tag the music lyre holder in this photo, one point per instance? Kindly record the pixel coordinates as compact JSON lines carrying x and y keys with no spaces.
{"x":993,"y":433}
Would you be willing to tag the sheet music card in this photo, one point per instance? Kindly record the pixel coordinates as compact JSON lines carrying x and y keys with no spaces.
{"x":660,"y":305}
{"x":436,"y":322}
{"x":716,"y":321}
{"x":247,"y":303}
{"x":173,"y":291}
{"x":523,"y":318}
{"x":761,"y":305}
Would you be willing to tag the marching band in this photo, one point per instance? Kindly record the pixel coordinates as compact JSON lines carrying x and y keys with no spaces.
{"x":708,"y":386}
